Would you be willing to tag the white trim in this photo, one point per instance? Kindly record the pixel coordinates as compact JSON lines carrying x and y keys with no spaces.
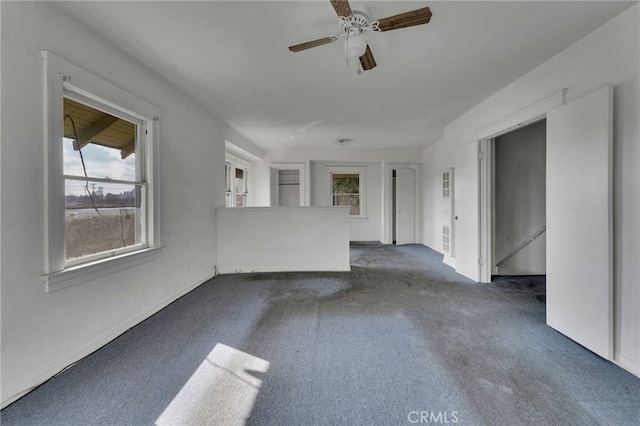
{"x":241,"y":162}
{"x":82,"y":82}
{"x":239,"y":152}
{"x":230,"y":209}
{"x":485,"y":209}
{"x":387,"y":216}
{"x":301,"y":167}
{"x":533,"y":112}
{"x":247,"y":166}
{"x":626,"y":363}
{"x":107,"y":180}
{"x":61,"y":77}
{"x":78,"y":274}
{"x":362,"y":181}
{"x":251,"y":269}
{"x":449,"y":261}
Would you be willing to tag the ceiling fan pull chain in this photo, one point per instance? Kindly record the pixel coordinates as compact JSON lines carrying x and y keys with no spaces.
{"x":347,"y":44}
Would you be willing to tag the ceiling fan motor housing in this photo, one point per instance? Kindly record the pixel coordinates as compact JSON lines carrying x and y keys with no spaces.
{"x":358,"y":21}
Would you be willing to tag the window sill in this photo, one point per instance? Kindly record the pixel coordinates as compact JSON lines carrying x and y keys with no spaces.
{"x":357,"y":218}
{"x":81,"y":273}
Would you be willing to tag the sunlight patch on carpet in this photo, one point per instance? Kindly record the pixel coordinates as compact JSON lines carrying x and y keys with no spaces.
{"x":222,"y":390}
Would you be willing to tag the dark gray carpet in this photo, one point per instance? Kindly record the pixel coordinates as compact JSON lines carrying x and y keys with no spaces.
{"x":400,"y":340}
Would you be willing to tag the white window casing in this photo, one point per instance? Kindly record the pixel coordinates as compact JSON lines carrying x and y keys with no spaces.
{"x":361,"y":172}
{"x":232,"y":191}
{"x":63,"y":79}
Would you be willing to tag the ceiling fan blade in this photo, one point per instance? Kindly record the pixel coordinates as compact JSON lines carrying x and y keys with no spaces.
{"x":310,"y":44}
{"x":342,"y":7}
{"x":404,"y":20}
{"x":367,"y":61}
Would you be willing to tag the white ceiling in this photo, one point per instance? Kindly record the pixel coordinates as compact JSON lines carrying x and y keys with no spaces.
{"x":233,"y":58}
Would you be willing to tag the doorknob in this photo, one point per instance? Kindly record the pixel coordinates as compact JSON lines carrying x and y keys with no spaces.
{"x":456,"y":217}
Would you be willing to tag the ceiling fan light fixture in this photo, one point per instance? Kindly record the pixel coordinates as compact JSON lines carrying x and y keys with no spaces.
{"x":355,"y":46}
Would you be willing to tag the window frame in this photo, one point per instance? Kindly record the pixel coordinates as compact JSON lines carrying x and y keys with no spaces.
{"x":231,"y":164}
{"x":446,"y":183}
{"x":361,"y":172}
{"x":63,"y":79}
{"x":140,"y":179}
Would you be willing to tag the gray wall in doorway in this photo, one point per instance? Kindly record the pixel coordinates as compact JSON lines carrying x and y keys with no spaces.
{"x":520,"y":179}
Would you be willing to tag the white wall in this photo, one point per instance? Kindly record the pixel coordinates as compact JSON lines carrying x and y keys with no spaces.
{"x":42,"y":333}
{"x":251,"y":156}
{"x":520,"y":207}
{"x":608,"y":56}
{"x":360,"y":229}
{"x":289,"y":188}
{"x":378,"y":193}
{"x":273,"y":239}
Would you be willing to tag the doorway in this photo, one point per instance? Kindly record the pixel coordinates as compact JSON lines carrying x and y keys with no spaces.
{"x":579,"y":278}
{"x":288,"y":185}
{"x":289,"y":188}
{"x":519,"y":202}
{"x":403,"y":206}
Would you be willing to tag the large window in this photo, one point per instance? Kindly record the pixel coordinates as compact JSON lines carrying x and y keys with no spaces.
{"x":105,"y":183}
{"x":347,"y":189}
{"x":101,"y":168}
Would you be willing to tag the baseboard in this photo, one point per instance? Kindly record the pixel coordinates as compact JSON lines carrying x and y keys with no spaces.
{"x":249,"y":269}
{"x":449,"y":261}
{"x":35,"y":380}
{"x":626,"y":363}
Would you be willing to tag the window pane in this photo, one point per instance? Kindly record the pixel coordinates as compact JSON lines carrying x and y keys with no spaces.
{"x":227,"y":176}
{"x":100,"y":162}
{"x":348,"y":200}
{"x":107,"y":143}
{"x":239,"y":200}
{"x":345,"y":183}
{"x":101,"y":217}
{"x":240,"y":182}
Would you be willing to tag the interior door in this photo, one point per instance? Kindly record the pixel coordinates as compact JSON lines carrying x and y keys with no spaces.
{"x":579,"y":221}
{"x":274,"y":186}
{"x":405,"y":206}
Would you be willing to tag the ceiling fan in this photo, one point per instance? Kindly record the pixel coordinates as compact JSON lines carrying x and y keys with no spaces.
{"x":355,"y":20}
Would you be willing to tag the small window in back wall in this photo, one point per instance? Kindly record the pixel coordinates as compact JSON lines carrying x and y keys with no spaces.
{"x":347,"y":189}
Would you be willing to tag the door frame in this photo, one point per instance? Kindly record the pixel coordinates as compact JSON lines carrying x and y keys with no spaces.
{"x":301,"y":167}
{"x":387,"y":201}
{"x":530,"y":114}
